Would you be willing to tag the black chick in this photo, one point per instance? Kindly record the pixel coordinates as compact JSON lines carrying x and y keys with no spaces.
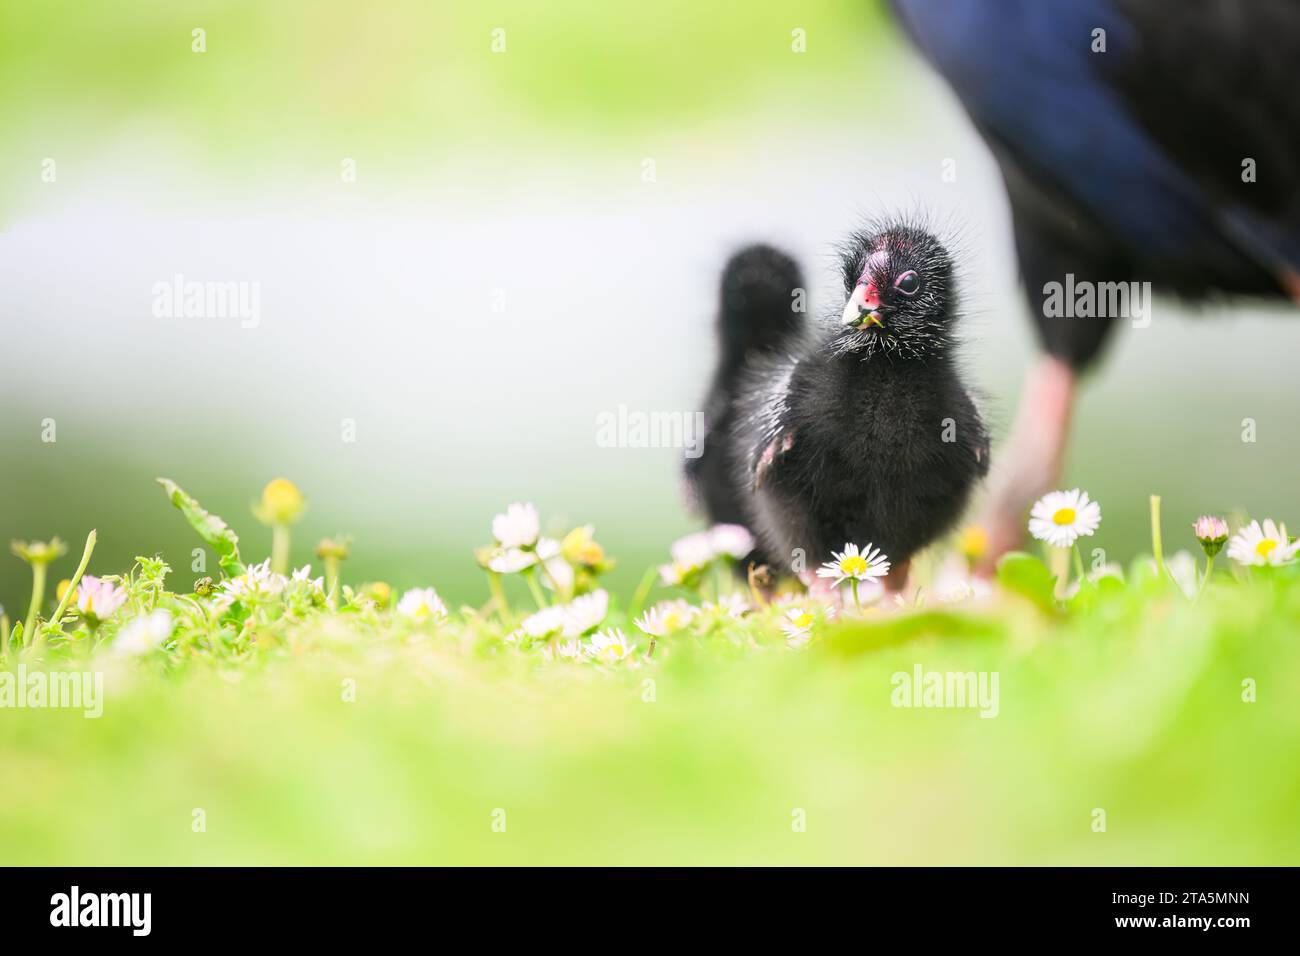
{"x":759,"y":310}
{"x":864,"y":433}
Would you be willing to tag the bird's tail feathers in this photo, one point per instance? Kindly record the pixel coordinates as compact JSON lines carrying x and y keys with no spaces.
{"x":762,"y":304}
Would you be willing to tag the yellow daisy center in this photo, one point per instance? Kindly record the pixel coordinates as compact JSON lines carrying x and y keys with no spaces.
{"x":855,"y":564}
{"x":1265,"y":547}
{"x":974,"y":542}
{"x":1064,"y":516}
{"x":803,"y":620}
{"x":282,"y":501}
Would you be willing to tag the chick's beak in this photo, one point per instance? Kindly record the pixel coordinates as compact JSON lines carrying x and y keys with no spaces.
{"x":863,"y":308}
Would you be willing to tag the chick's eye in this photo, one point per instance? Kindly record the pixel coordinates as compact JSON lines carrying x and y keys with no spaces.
{"x":909,"y":283}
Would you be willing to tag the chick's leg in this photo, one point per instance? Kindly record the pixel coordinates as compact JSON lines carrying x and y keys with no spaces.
{"x":1031,"y":463}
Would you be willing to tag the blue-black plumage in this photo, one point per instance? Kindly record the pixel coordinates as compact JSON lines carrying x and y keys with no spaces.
{"x":1123,"y":129}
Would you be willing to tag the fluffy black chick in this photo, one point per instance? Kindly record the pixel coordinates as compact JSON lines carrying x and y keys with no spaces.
{"x":759,"y":315}
{"x":865,"y":431}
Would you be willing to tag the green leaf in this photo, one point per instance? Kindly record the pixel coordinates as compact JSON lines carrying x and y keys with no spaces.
{"x":859,"y":636}
{"x":1029,"y":577}
{"x":211,"y":529}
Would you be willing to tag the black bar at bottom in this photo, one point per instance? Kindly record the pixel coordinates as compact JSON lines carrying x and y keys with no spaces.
{"x":334,"y":906}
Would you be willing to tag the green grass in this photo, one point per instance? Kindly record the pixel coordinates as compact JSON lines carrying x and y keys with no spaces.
{"x":1127,"y":698}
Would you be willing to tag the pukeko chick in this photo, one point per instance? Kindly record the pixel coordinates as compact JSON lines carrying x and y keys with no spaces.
{"x":861,"y":432}
{"x":1139,"y":141}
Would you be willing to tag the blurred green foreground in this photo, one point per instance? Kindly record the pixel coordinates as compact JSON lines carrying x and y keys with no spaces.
{"x":746,"y":754}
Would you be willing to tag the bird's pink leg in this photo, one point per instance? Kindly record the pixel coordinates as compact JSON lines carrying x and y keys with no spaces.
{"x":1291,"y":280}
{"x":895,"y":581}
{"x":1031,"y":463}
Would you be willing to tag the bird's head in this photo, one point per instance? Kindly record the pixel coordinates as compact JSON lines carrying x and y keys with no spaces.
{"x":900,"y":298}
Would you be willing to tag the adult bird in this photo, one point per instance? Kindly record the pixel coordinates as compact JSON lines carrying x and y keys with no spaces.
{"x":1139,"y":141}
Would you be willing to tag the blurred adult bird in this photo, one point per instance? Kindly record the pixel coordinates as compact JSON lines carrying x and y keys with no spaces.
{"x":1139,"y":141}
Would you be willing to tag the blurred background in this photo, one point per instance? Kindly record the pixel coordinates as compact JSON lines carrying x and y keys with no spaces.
{"x":542,"y":197}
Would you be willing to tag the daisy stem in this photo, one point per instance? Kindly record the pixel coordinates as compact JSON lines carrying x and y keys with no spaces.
{"x":38,"y":596}
{"x":1209,"y":569}
{"x":1078,"y":563}
{"x":708,"y":585}
{"x":68,"y":595}
{"x":853,"y":584}
{"x":332,"y":581}
{"x":1156,"y":549}
{"x":535,"y":588}
{"x":499,"y":598}
{"x":559,"y":591}
{"x":642,"y":592}
{"x":33,"y":637}
{"x":280,"y":548}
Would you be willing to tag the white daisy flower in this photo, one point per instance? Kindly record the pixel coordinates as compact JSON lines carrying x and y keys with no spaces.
{"x":303,"y":575}
{"x":731,"y":540}
{"x":691,"y":554}
{"x":854,"y":565}
{"x":518,"y":527}
{"x":564,"y":650}
{"x":547,"y":621}
{"x":422,"y":604}
{"x":672,"y":574}
{"x":1258,"y":545}
{"x":584,"y":613}
{"x":1212,"y":532}
{"x":666,"y":617}
{"x":694,"y":549}
{"x":512,"y":560}
{"x":798,"y":626}
{"x":556,"y":571}
{"x":142,"y":634}
{"x":1063,"y":517}
{"x":610,"y":645}
{"x":257,"y":581}
{"x":97,"y":598}
{"x":733,"y":605}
